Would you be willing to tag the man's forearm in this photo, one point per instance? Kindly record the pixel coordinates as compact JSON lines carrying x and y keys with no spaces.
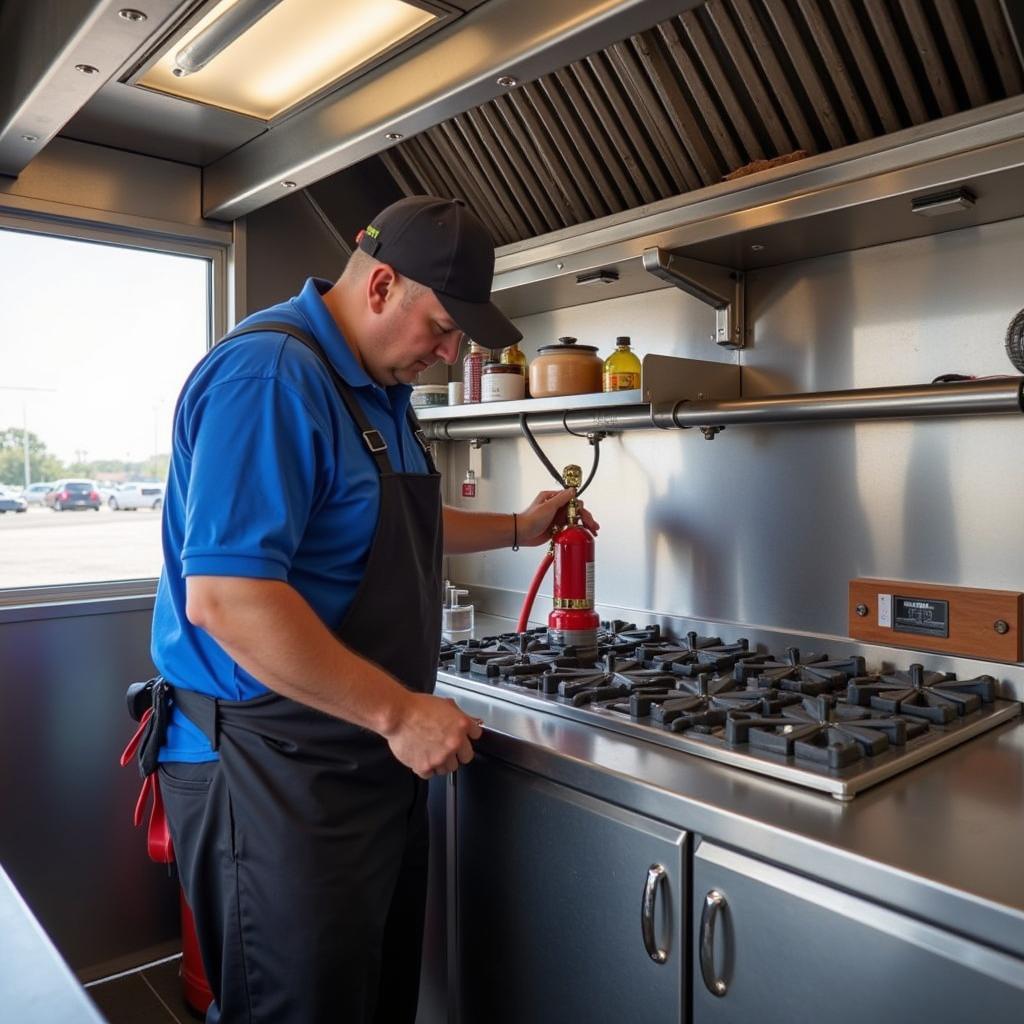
{"x":465,"y":532}
{"x":269,"y":629}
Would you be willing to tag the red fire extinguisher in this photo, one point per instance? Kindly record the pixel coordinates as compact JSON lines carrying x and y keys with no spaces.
{"x":573,"y":621}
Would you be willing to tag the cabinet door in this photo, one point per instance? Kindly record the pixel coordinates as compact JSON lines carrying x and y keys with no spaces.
{"x":550,"y":886}
{"x":787,"y":950}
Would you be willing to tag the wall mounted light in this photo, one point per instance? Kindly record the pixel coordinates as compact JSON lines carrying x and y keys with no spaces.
{"x":598,"y":277}
{"x":940,"y":203}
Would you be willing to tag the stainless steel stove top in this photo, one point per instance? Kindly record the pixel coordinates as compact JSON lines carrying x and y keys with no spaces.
{"x":832,"y":726}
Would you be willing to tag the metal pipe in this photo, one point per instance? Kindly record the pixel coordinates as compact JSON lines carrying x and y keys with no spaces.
{"x":967,"y":398}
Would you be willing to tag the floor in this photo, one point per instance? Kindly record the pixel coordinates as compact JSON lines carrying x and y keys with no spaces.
{"x":149,"y":996}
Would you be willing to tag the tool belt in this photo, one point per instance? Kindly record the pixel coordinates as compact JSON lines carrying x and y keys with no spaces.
{"x":149,"y":704}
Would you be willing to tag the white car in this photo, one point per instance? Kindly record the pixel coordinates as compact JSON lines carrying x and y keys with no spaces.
{"x":137,"y":495}
{"x":35,"y":494}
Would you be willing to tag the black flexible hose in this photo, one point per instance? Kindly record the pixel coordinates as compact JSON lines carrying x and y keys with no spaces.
{"x":595,"y":441}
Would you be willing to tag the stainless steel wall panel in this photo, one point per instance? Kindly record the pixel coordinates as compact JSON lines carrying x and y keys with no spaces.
{"x":766,"y":525}
{"x":68,"y":840}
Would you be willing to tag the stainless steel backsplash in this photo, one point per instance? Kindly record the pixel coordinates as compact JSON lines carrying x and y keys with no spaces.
{"x":766,"y":525}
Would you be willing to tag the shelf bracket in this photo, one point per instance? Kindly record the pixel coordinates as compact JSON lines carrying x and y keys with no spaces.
{"x":720,"y":287}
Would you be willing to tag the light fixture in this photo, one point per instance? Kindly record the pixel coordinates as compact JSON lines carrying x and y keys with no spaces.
{"x":87,"y":69}
{"x":289,"y":184}
{"x":939,"y":203}
{"x":598,"y":277}
{"x":130,"y":14}
{"x":757,"y":247}
{"x":30,"y":138}
{"x":263,"y":57}
{"x":394,"y":136}
{"x":507,"y":81}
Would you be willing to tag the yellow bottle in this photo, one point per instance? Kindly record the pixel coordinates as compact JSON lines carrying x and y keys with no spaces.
{"x":514,"y":357}
{"x":621,"y":368}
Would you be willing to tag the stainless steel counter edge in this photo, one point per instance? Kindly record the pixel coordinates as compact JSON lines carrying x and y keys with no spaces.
{"x":935,"y":842}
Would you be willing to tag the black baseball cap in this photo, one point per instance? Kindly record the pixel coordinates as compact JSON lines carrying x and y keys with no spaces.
{"x":442,"y":245}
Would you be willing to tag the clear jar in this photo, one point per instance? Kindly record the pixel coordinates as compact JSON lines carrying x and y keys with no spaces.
{"x":502,"y":382}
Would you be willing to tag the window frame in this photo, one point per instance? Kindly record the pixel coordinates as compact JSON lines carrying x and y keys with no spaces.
{"x":102,"y":597}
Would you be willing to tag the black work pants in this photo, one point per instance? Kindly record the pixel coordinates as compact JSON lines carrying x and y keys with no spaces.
{"x":308,"y":898}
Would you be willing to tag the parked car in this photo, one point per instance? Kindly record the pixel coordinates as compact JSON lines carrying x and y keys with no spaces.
{"x":137,"y":494}
{"x":35,"y":494}
{"x":69,"y":494}
{"x":11,"y":502}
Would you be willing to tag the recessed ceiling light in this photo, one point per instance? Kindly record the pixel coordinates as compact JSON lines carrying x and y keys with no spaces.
{"x":130,"y":14}
{"x":394,"y":136}
{"x":757,"y":247}
{"x":507,"y":82}
{"x":31,"y":138}
{"x":289,"y":184}
{"x":262,"y":58}
{"x":87,"y":69}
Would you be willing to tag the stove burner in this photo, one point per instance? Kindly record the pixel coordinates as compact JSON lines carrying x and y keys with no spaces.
{"x":821,"y":730}
{"x":700,"y":654}
{"x":935,"y":696}
{"x":810,"y":676}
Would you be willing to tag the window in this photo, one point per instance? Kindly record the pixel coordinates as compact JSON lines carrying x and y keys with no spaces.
{"x":96,"y":339}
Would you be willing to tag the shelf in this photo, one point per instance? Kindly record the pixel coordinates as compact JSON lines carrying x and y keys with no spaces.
{"x":662,"y":379}
{"x":481,"y":410}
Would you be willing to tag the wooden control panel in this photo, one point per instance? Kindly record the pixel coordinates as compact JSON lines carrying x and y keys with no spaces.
{"x":932,"y":617}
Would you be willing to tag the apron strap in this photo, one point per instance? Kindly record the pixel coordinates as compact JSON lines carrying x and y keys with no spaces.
{"x":372,"y":438}
{"x":421,"y":438}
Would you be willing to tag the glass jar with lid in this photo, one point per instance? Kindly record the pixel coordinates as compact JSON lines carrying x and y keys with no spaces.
{"x":502,"y":382}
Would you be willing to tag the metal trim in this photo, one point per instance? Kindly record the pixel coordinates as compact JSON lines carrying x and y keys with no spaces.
{"x":455,"y":70}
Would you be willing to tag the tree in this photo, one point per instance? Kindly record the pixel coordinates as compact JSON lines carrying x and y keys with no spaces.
{"x":42,"y":465}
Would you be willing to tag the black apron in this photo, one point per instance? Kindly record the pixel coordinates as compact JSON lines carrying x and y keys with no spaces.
{"x":303,"y":850}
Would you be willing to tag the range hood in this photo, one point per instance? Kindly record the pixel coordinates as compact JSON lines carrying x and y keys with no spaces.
{"x":675,"y":109}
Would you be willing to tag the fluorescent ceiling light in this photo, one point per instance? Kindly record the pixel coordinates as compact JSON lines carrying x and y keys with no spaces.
{"x":296,"y":48}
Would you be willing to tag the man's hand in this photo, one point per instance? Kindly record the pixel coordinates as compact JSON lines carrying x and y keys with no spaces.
{"x":546,"y":511}
{"x":432,"y":735}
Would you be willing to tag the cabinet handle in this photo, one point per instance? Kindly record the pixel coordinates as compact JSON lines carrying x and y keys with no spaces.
{"x":713,"y":903}
{"x":655,"y":875}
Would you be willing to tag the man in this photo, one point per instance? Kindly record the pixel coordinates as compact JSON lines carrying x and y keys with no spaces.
{"x":297,"y":623}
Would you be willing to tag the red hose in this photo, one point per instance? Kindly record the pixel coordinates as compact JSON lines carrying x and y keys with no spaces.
{"x":531,"y":594}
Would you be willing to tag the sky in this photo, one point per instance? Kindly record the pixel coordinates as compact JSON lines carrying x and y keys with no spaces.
{"x":108,"y":334}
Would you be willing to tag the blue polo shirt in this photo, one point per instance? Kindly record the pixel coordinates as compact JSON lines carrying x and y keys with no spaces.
{"x":270,"y":479}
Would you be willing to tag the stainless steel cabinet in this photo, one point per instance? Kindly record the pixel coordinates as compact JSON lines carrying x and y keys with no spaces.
{"x":777,"y":948}
{"x":567,"y":909}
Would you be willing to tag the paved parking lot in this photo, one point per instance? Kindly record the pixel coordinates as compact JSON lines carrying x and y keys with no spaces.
{"x":41,"y":547}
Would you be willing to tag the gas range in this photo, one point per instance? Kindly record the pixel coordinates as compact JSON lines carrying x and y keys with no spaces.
{"x":831,"y":725}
